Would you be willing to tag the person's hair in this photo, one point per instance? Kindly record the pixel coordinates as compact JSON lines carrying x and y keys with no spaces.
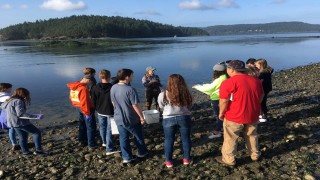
{"x":5,"y":86}
{"x":251,"y":61}
{"x":217,"y":74}
{"x":88,"y":70}
{"x":251,"y":72}
{"x":178,"y":92}
{"x":23,"y":94}
{"x":123,"y":73}
{"x":104,"y":74}
{"x":264,"y":67}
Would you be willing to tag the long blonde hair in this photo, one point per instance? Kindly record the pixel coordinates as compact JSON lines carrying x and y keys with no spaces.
{"x":264,"y":67}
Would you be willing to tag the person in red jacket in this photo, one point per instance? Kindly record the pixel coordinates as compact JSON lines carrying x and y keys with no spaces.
{"x":240,"y":98}
{"x":80,"y":98}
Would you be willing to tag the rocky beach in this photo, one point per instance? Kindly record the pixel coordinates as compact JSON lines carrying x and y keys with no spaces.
{"x":289,"y":142}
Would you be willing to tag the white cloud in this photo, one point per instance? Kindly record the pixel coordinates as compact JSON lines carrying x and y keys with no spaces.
{"x":194,"y":5}
{"x":63,"y":5}
{"x":6,"y":6}
{"x":227,"y":4}
{"x":153,"y":13}
{"x":197,"y":5}
{"x":24,"y":6}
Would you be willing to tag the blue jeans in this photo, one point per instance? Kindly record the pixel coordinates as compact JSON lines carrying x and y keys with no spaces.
{"x":23,"y":137}
{"x":12,"y":136}
{"x":105,"y":132}
{"x":170,"y":126}
{"x":215,"y":107}
{"x":136,"y":131}
{"x":87,"y":129}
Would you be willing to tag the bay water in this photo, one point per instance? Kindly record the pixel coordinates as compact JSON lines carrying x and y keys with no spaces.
{"x":46,"y":71}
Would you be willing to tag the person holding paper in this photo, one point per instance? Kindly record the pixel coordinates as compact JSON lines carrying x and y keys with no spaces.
{"x":17,"y":118}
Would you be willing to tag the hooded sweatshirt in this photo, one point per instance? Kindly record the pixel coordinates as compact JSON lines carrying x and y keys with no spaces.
{"x":15,"y":108}
{"x":80,"y":97}
{"x":212,"y":89}
{"x":101,"y":99}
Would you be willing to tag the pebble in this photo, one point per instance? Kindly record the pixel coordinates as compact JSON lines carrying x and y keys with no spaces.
{"x":309,"y":177}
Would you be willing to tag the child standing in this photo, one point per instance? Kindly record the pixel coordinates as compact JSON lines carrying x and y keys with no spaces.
{"x":265,"y":72}
{"x":212,"y":89}
{"x":176,"y":104}
{"x":102,"y":102}
{"x":15,"y":108}
{"x":5,"y":90}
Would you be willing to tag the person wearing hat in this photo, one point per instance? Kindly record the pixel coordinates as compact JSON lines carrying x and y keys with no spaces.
{"x":239,"y":113}
{"x":151,"y":83}
{"x":212,"y":89}
{"x":80,"y":98}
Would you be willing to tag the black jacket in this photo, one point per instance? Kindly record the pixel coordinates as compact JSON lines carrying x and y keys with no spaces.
{"x":100,"y":96}
{"x":265,"y":77}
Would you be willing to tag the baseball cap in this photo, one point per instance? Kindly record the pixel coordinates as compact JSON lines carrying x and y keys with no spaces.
{"x":150,"y":68}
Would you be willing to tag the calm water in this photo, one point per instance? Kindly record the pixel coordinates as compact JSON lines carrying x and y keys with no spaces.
{"x":46,"y":72}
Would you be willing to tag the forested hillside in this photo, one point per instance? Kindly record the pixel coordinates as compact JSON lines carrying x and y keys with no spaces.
{"x":94,"y":27}
{"x":268,"y":28}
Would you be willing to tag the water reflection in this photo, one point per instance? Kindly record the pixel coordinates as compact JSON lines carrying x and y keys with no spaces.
{"x":45,"y":72}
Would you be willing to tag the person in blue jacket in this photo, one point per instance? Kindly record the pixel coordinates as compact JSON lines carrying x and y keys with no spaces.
{"x":17,"y":119}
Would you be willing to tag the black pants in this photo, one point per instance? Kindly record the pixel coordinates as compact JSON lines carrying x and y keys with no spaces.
{"x":151,"y":94}
{"x":264,"y":109}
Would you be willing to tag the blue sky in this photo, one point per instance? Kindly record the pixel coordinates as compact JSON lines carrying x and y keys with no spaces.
{"x":195,"y":13}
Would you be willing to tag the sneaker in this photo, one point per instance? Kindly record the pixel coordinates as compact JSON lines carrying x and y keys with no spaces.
{"x":168,"y":164}
{"x":262,"y":120}
{"x":129,"y":160}
{"x":26,"y":154}
{"x":39,"y":153}
{"x":212,"y":136}
{"x":112,"y":152}
{"x":186,"y":161}
{"x":143,"y":155}
{"x":103,"y":145}
{"x":15,"y":147}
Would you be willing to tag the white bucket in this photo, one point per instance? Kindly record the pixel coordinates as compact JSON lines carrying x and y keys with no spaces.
{"x":151,"y":116}
{"x":114,"y":128}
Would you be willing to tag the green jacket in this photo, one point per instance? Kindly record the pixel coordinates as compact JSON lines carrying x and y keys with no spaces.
{"x":212,"y":89}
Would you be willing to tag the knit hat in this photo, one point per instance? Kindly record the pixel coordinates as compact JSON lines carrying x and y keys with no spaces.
{"x":219,"y":67}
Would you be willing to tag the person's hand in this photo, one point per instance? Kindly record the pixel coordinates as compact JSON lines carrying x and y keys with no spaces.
{"x":142,"y":121}
{"x":194,"y":86}
{"x":88,"y":117}
{"x":221,"y":117}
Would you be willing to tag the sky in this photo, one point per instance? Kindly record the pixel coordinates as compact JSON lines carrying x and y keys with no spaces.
{"x":192,"y":13}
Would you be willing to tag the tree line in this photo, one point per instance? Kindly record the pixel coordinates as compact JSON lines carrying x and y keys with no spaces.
{"x":267,"y":28}
{"x":94,"y":27}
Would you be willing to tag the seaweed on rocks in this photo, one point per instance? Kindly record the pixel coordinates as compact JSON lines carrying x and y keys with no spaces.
{"x":289,"y":142}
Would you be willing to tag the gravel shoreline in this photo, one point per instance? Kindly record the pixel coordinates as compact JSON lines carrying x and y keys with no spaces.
{"x":289,"y":142}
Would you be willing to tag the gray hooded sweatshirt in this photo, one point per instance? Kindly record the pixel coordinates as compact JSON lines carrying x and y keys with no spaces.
{"x":15,"y":108}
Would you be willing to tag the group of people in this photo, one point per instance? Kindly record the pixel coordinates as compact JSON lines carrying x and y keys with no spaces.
{"x":239,"y":97}
{"x":118,"y":100}
{"x":238,"y":94}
